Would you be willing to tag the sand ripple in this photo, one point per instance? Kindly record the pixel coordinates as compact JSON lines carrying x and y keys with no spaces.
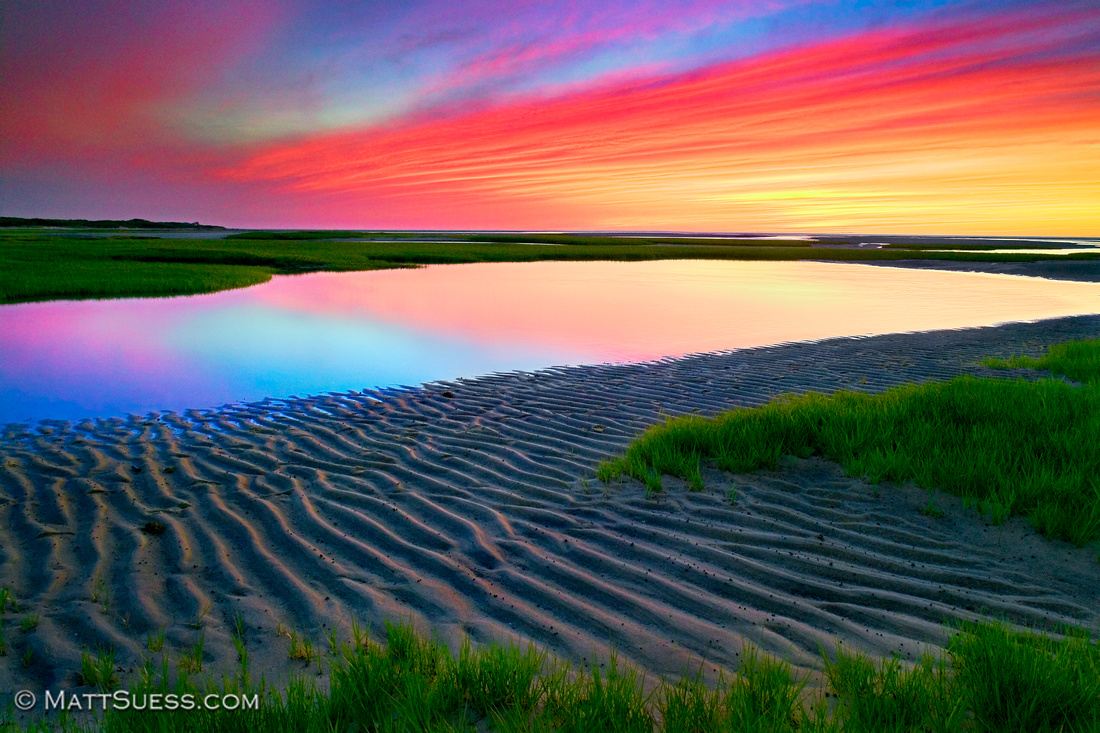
{"x":471,"y":508}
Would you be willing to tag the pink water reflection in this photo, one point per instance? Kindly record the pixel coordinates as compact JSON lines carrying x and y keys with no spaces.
{"x":324,"y":332}
{"x":109,"y":357}
{"x":644,"y":310}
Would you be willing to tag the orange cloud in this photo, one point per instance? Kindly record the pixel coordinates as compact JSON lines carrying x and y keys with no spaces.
{"x":987,"y":126}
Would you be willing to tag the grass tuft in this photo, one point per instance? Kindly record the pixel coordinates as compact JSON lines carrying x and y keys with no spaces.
{"x":301,"y":648}
{"x":1078,"y":360}
{"x":197,"y":622}
{"x":191,"y":662}
{"x":100,"y":593}
{"x":991,"y":678}
{"x":98,"y":670}
{"x":1028,"y":448}
{"x":764,"y":695}
{"x":591,"y":700}
{"x":891,"y":696}
{"x":155,"y":642}
{"x":1025,"y":681}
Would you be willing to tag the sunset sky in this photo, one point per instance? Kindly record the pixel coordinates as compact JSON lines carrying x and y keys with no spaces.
{"x":912,"y":116}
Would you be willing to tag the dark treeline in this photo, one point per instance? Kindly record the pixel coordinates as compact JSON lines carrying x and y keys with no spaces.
{"x":15,"y":221}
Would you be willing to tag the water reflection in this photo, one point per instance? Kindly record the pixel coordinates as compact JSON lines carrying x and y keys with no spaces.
{"x":339,"y":331}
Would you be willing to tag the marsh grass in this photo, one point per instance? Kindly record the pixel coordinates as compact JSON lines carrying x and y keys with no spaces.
{"x":990,"y":678}
{"x":191,"y":662}
{"x":1024,"y":681}
{"x":100,"y":593}
{"x":98,"y":670}
{"x":891,"y":696}
{"x":301,"y":648}
{"x":1006,"y":447}
{"x":155,"y":642}
{"x":44,"y":267}
{"x":1078,"y":360}
{"x":75,"y":279}
{"x":196,"y":623}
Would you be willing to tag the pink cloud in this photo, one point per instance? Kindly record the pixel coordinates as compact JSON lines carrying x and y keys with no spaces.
{"x":104,"y":80}
{"x":880,"y":111}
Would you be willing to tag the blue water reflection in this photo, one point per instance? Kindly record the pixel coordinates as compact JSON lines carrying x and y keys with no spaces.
{"x":335,"y":332}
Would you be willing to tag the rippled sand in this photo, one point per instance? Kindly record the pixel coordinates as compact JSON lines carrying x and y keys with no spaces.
{"x":471,"y":508}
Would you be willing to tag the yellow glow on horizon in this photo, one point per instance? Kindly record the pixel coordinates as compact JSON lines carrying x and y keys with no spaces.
{"x":925,"y":132}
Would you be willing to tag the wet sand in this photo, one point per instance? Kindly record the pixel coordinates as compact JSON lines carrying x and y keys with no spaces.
{"x":1075,"y":270}
{"x":471,"y":508}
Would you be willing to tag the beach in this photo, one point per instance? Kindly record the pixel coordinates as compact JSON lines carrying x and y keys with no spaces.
{"x":471,"y":509}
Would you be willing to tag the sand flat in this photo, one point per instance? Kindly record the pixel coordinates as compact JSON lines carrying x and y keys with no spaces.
{"x":471,"y":508}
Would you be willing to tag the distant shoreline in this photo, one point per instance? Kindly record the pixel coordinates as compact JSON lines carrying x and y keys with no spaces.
{"x":11,"y":222}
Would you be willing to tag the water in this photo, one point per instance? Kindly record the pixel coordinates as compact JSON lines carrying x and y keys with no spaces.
{"x":323,"y":332}
{"x":1041,"y":251}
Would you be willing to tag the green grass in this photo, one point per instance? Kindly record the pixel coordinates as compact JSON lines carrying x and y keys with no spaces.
{"x":98,"y":670}
{"x":191,"y":662}
{"x":155,"y":641}
{"x":1015,"y":681}
{"x":1009,"y":447}
{"x":990,"y":678}
{"x":301,"y":648}
{"x":61,"y":279}
{"x":44,"y":267}
{"x":1078,"y":360}
{"x":196,"y":623}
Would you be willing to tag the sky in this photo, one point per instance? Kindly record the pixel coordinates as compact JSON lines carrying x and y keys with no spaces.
{"x":911,"y":116}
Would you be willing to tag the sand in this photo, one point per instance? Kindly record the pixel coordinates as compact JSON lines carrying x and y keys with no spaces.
{"x":471,"y":508}
{"x":1057,"y":269}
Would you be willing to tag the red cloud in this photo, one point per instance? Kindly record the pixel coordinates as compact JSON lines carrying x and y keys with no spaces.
{"x":102,"y":78}
{"x":883,"y":112}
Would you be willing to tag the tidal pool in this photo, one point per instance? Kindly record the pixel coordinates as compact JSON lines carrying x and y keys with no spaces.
{"x":333,"y":332}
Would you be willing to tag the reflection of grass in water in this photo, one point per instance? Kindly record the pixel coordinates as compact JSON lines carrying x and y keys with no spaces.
{"x":1010,"y":447}
{"x":991,"y":678}
{"x":42,"y":267}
